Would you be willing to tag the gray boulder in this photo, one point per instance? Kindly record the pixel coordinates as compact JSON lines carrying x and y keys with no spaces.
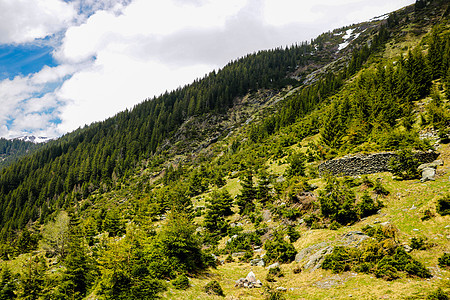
{"x":315,"y":261}
{"x":248,"y":282}
{"x":433,"y":164}
{"x":428,"y":174}
{"x":257,"y":262}
{"x":354,"y":238}
{"x":309,"y":250}
{"x":275,"y":265}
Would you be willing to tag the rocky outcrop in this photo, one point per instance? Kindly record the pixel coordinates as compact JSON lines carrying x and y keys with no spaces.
{"x":249,"y":282}
{"x":429,"y":170}
{"x":367,"y":164}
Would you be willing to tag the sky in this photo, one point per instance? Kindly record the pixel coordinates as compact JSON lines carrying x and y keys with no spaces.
{"x":67,"y":63}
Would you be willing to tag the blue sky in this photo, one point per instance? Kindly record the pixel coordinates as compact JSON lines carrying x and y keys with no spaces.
{"x":24,"y":59}
{"x":64,"y":64}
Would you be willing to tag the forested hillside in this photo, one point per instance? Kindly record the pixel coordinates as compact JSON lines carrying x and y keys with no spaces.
{"x":179,"y":196}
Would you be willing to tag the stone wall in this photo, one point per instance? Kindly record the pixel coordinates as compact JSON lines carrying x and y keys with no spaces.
{"x":367,"y":164}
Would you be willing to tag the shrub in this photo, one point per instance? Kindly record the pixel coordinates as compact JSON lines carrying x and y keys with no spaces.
{"x":296,"y":165}
{"x":418,"y":243}
{"x":294,"y":235}
{"x":181,"y":282}
{"x":443,"y":205}
{"x":439,"y":294}
{"x":214,"y":288}
{"x":379,"y":189}
{"x":273,"y":294}
{"x":404,"y":165}
{"x":427,"y":214}
{"x":335,"y":225}
{"x":297,"y":270}
{"x":279,"y":250}
{"x":340,"y":260}
{"x":367,"y":206}
{"x":337,"y":202}
{"x":243,"y":242}
{"x":444,"y":260}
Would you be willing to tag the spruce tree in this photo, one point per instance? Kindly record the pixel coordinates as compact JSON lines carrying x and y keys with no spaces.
{"x":74,"y":282}
{"x":245,"y":200}
{"x":7,"y":284}
{"x":217,"y":209}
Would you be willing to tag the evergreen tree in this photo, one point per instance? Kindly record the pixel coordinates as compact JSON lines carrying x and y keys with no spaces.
{"x":74,"y":281}
{"x":337,"y":202}
{"x":32,"y":279}
{"x":219,"y":207}
{"x":245,"y":200}
{"x":263,"y":189}
{"x":7,"y":284}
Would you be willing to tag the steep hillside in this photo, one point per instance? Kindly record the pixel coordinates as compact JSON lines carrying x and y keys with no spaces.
{"x":188,"y":192}
{"x":12,"y":150}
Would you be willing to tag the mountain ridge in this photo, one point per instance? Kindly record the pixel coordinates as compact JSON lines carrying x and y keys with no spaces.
{"x":130,"y":209}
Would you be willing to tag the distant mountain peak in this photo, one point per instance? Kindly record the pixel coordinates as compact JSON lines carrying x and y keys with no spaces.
{"x":33,"y":139}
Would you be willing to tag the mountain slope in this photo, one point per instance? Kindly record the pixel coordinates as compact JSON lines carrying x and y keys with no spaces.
{"x":229,"y":165}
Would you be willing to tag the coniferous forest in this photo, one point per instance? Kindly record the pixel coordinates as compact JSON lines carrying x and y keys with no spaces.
{"x":187,"y":192}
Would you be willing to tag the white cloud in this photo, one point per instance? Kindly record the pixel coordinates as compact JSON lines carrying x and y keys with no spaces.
{"x":27,"y":20}
{"x":116,"y":53}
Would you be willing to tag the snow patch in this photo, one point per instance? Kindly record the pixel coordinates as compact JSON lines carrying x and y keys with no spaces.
{"x":33,"y":139}
{"x":346,"y":38}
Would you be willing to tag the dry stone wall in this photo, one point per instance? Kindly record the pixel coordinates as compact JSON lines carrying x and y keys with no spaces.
{"x":367,"y":164}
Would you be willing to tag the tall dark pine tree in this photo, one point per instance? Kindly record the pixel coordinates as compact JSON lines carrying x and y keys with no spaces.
{"x":75,"y":280}
{"x":247,"y":196}
{"x":217,"y":209}
{"x":7,"y":284}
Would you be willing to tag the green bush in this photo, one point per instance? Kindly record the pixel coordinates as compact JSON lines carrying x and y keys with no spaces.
{"x":335,"y":225}
{"x":439,"y":294}
{"x":294,"y":235}
{"x":243,"y":242}
{"x":296,"y":165}
{"x":444,"y":260}
{"x":340,"y":260}
{"x":279,"y":250}
{"x":404,"y":165}
{"x":214,"y":288}
{"x":367,"y":206}
{"x":418,"y":243}
{"x":337,"y":202}
{"x":379,"y":189}
{"x":181,"y":282}
{"x":273,"y":294}
{"x":443,"y":205}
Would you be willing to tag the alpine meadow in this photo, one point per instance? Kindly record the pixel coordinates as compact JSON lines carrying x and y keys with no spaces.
{"x":315,"y":171}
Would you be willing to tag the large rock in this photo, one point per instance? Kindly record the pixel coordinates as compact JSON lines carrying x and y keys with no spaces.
{"x":433,"y":164}
{"x":354,"y":238}
{"x":315,"y":261}
{"x":309,"y":250}
{"x":428,"y":174}
{"x":257,"y":262}
{"x":237,"y":254}
{"x":275,"y":265}
{"x":249,"y":282}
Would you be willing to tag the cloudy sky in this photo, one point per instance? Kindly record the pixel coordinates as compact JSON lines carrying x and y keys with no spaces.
{"x":67,"y":63}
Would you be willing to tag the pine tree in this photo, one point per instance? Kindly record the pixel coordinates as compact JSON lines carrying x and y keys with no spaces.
{"x":217,"y":209}
{"x":262,"y":190}
{"x":32,"y":280}
{"x":74,"y":281}
{"x":245,"y":200}
{"x":7,"y":284}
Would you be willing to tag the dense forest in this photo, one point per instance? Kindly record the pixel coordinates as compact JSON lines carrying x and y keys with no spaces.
{"x":108,"y":211}
{"x":12,"y":150}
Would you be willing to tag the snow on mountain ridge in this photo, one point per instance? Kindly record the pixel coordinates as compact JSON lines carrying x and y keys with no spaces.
{"x":33,"y":139}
